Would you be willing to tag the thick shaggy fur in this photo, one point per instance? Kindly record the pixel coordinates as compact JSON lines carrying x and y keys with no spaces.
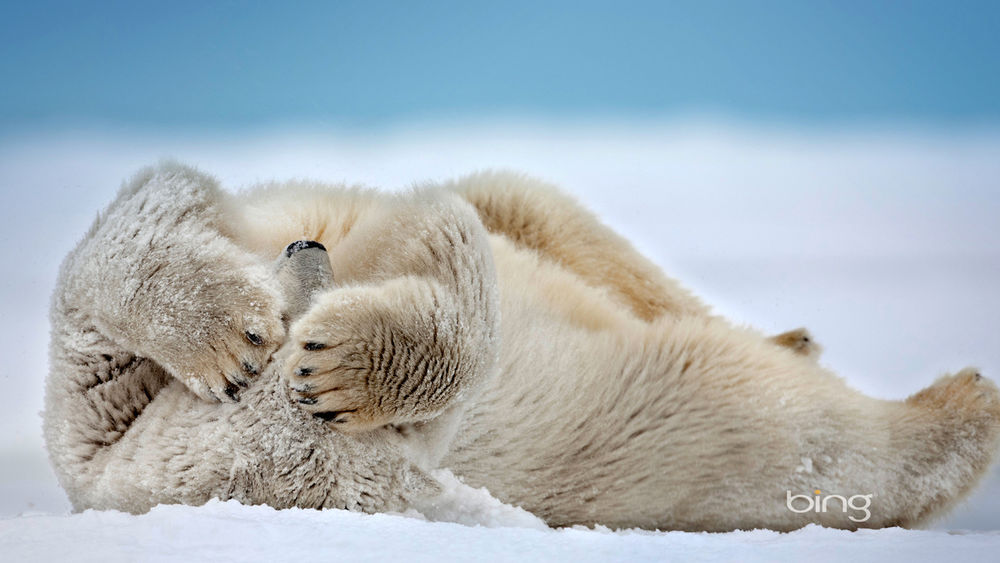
{"x":490,"y":326}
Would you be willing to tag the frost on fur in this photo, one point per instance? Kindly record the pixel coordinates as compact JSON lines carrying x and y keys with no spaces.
{"x":326,"y":347}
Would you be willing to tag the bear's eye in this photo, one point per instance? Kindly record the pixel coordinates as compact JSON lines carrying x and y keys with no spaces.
{"x":312,"y":346}
{"x":254,"y":339}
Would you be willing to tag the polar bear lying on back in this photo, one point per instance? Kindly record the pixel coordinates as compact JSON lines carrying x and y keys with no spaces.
{"x":489,"y":326}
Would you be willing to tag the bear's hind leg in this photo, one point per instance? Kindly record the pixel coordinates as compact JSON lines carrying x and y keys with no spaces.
{"x":948,"y":434}
{"x":94,"y":394}
{"x":536,"y":215}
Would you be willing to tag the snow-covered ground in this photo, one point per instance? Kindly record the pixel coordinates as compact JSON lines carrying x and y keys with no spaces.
{"x":885,"y":245}
{"x":227,"y":531}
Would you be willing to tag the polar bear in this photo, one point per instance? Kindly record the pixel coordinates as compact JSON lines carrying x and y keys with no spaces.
{"x":488,"y":325}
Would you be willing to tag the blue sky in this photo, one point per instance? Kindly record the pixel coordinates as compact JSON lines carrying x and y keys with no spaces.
{"x":238,"y":64}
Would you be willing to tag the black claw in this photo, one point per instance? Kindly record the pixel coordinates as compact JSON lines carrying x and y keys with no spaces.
{"x":307,"y":400}
{"x":303,"y":372}
{"x":254,"y":339}
{"x":250,"y":368}
{"x":231,"y":392}
{"x":302,"y":245}
{"x":332,"y":416}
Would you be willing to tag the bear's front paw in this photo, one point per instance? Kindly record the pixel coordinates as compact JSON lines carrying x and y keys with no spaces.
{"x":219,"y":334}
{"x":329,"y":380}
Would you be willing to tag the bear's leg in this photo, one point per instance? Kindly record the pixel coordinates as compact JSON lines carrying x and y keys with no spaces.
{"x":413,"y":326}
{"x":159,"y":275}
{"x":94,"y":393}
{"x":538,"y":216}
{"x":709,"y":427}
{"x":910,"y":461}
{"x":947,"y":435}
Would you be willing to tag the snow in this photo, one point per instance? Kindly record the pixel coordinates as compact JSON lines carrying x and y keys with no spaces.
{"x":228,"y":531}
{"x":463,"y":504}
{"x":807,"y":466}
{"x":883,"y":243}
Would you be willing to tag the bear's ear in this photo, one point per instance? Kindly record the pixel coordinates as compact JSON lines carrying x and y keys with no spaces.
{"x":303,"y":271}
{"x":799,"y":341}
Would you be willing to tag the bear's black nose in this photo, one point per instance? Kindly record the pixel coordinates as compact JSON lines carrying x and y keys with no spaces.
{"x":302,"y":245}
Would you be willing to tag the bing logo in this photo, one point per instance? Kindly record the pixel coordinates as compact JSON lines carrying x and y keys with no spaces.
{"x":821,"y":503}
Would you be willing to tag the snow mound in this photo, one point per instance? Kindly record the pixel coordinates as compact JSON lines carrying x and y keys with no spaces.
{"x":462,"y":504}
